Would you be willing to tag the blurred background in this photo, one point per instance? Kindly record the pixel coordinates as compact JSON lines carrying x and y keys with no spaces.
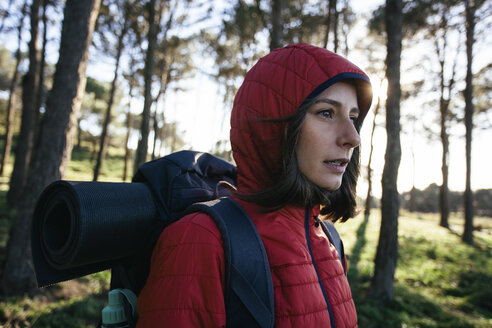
{"x":91,"y":89}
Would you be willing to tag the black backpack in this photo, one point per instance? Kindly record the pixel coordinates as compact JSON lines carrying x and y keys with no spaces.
{"x":84,"y":227}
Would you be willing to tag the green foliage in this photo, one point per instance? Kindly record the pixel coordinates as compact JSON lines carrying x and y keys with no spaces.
{"x":99,"y":89}
{"x":236,"y":45}
{"x":439,"y":281}
{"x":483,"y":93}
{"x":417,"y":15}
{"x":83,"y":313}
{"x":74,"y":304}
{"x":80,"y":168}
{"x":427,"y":200}
{"x":246,"y":30}
{"x":7,"y":64}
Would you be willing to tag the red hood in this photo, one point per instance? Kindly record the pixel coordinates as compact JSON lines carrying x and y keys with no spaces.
{"x":275,"y":87}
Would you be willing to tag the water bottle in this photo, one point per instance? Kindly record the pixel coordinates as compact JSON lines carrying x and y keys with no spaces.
{"x":114,"y":314}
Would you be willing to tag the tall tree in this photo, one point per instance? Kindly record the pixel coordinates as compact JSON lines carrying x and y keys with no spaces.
{"x":26,"y":135}
{"x":373,"y":47}
{"x":446,"y":91}
{"x":174,"y":64}
{"x":436,"y":20}
{"x":124,"y":19}
{"x":9,"y":124}
{"x":143,"y":141}
{"x":40,"y":92}
{"x":470,"y":9}
{"x":164,"y":70}
{"x":332,"y":20}
{"x":348,"y":19}
{"x":128,"y":131}
{"x":132,"y":85}
{"x":332,"y":4}
{"x":94,"y":103}
{"x":387,"y":251}
{"x":277,"y":24}
{"x":54,"y":145}
{"x":482,"y":95}
{"x":367,"y":207}
{"x":411,"y":205}
{"x":157,"y":130}
{"x":236,"y":45}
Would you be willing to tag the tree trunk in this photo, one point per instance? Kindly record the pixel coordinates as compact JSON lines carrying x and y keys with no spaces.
{"x":345,"y":27}
{"x":335,"y":26}
{"x":128,"y":122}
{"x":165,"y":77}
{"x":54,"y":145}
{"x":25,"y":139}
{"x":42,"y":66}
{"x":107,"y":119}
{"x":143,"y":142}
{"x":444,"y":190}
{"x":444,"y":101}
{"x":387,"y":251}
{"x":331,"y":5}
{"x":277,"y":24}
{"x":9,"y":125}
{"x":470,"y":34}
{"x":79,"y":134}
{"x":127,"y":149}
{"x":156,"y":133}
{"x":411,"y":201}
{"x":367,"y":209}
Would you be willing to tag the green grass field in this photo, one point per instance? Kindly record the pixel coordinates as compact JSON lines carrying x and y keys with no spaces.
{"x":439,"y":282}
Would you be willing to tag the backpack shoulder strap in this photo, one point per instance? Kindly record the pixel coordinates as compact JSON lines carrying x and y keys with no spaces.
{"x":249,"y":287}
{"x":332,"y":234}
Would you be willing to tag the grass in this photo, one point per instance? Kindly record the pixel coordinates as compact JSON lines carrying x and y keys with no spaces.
{"x":80,"y":168}
{"x":439,"y":280}
{"x":75,"y":303}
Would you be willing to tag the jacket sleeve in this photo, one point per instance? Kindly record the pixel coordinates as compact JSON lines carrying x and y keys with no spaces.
{"x":185,"y":287}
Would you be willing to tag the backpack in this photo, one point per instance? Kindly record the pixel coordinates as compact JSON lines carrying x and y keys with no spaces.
{"x":161,"y":192}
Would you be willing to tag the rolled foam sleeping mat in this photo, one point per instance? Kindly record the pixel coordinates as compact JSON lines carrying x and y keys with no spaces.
{"x":80,"y":228}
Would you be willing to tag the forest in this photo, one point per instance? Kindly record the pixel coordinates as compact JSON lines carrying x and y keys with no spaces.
{"x":92,"y":89}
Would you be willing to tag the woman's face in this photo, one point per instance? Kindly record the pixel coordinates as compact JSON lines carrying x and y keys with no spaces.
{"x":328,"y":136}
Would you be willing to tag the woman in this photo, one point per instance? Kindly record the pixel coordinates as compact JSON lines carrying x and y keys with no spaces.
{"x":294,"y":137}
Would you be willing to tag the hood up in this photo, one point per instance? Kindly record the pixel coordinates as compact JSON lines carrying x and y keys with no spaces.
{"x":273,"y":88}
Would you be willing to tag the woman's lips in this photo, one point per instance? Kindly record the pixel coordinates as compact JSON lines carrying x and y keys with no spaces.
{"x":337,"y":165}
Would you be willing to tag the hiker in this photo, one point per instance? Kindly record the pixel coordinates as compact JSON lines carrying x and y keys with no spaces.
{"x":294,"y":136}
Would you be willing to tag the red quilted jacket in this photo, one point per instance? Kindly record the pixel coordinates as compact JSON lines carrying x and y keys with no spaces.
{"x":185,"y":287}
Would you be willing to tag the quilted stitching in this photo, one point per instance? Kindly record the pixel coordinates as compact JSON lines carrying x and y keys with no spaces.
{"x":274,"y":87}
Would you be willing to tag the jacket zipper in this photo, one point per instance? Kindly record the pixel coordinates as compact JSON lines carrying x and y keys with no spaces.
{"x":306,"y":226}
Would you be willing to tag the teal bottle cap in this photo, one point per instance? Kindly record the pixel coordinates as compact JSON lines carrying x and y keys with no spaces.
{"x":113,"y":315}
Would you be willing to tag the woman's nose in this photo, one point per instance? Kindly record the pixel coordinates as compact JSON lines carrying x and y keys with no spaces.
{"x":348,"y":135}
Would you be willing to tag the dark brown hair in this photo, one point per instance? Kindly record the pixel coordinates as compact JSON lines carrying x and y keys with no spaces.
{"x":292,"y":187}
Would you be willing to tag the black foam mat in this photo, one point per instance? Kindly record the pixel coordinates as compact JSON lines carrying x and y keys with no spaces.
{"x":85,"y":227}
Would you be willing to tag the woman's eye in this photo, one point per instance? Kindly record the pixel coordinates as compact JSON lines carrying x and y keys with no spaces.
{"x":354,"y":119}
{"x":326,"y":113}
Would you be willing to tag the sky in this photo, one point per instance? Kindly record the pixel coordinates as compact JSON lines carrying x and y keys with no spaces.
{"x":202,"y":116}
{"x":204,"y":123}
